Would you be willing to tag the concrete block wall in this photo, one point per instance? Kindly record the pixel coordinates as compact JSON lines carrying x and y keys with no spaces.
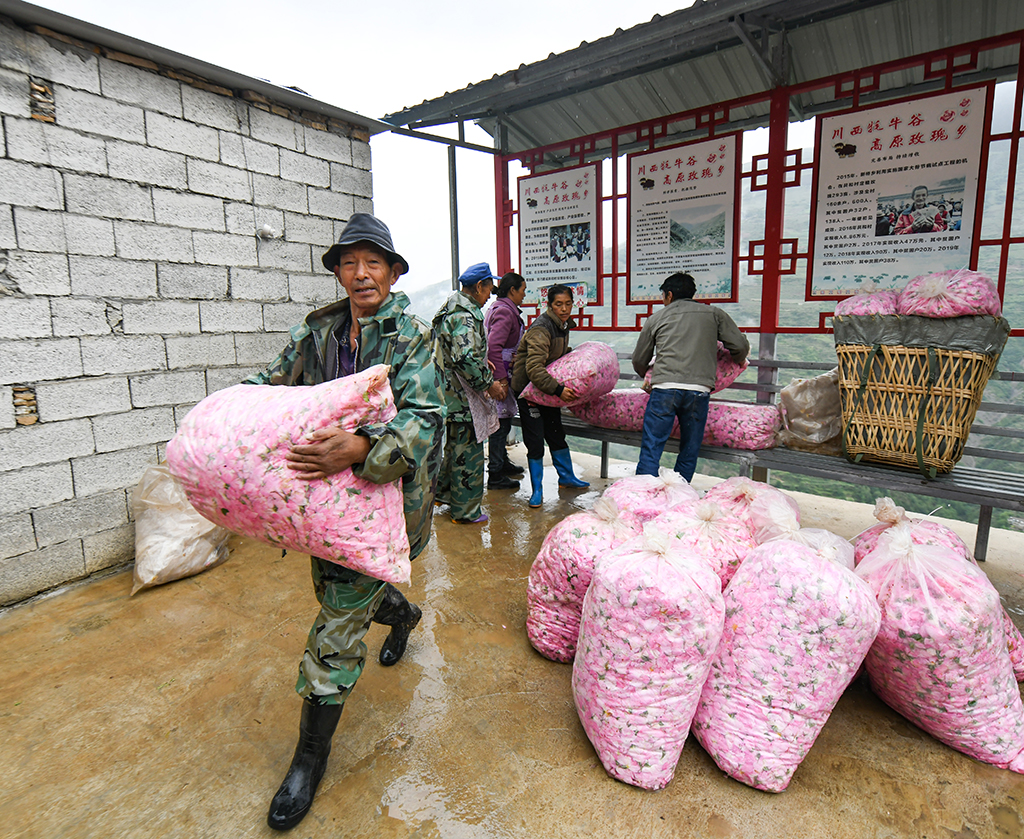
{"x":132,"y":281}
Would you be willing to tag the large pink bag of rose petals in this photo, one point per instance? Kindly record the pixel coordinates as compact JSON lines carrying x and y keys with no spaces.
{"x":940,"y":658}
{"x":703,"y":530}
{"x":591,"y":370}
{"x":647,"y":496}
{"x":797,"y":629}
{"x":622,"y":409}
{"x":560,"y":575}
{"x":950,"y":294}
{"x":880,"y":302}
{"x":932,"y":532}
{"x":652,"y":619}
{"x":742,"y":425}
{"x":229,"y":456}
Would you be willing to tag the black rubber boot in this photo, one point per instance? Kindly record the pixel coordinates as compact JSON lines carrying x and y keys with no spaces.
{"x":502,"y":482}
{"x":295,"y":795}
{"x":402,"y":616}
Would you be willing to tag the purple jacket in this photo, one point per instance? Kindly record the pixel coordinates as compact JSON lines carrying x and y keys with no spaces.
{"x":503,"y":325}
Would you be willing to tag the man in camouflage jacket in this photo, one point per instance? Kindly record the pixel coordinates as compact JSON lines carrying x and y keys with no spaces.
{"x":462,"y":353}
{"x":369,"y":327}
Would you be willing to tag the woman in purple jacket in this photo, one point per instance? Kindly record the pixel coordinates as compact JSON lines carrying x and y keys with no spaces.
{"x":503,"y":325}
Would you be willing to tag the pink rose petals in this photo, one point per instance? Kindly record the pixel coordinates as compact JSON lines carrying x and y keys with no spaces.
{"x":871,"y":302}
{"x":622,"y":409}
{"x":591,"y":370}
{"x":742,"y":425}
{"x":647,"y":496}
{"x":932,"y":532}
{"x":704,"y":531}
{"x":229,"y":456}
{"x":950,"y":294}
{"x":560,"y":575}
{"x":651,"y":623}
{"x":940,"y":658}
{"x":797,"y":628}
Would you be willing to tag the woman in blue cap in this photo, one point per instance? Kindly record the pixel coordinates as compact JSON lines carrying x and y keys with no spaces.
{"x":469,"y":384}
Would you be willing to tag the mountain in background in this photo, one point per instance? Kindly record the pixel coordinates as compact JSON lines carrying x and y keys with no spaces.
{"x":425,"y":302}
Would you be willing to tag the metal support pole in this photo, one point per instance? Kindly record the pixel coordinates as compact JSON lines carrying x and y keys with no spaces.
{"x":453,"y":213}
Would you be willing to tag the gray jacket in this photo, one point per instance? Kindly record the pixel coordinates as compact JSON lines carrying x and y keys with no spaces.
{"x":685,"y":336}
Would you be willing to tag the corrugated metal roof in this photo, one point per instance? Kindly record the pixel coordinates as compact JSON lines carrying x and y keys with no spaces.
{"x":696,"y":57}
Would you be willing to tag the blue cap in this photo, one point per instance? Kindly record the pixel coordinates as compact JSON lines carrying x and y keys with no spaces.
{"x":474,"y":273}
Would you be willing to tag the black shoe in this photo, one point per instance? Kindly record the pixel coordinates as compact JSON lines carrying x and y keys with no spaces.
{"x":402,"y":616}
{"x":513,"y":471}
{"x":502,"y":482}
{"x":295,"y":795}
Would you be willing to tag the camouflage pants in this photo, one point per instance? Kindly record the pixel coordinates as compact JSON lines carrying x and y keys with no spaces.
{"x":335,"y":652}
{"x":462,"y":471}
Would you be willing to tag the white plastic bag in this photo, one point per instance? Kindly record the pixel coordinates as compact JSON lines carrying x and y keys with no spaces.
{"x":812,"y":417}
{"x":171,"y":539}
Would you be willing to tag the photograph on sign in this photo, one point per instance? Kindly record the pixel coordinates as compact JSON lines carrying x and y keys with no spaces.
{"x":558,"y":233}
{"x":682,"y":217}
{"x":897,"y":192}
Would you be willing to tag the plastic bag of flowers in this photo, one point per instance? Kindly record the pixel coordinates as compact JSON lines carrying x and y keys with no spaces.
{"x":591,"y":369}
{"x":950,"y":294}
{"x":560,"y":575}
{"x":925,"y":531}
{"x":705,"y":531}
{"x":940,"y":658}
{"x":651,"y":622}
{"x":871,"y":301}
{"x":741,"y":425}
{"x":647,"y":496}
{"x":735,"y":496}
{"x":623,"y":409}
{"x":172,"y":540}
{"x":797,"y":629}
{"x":229,"y":456}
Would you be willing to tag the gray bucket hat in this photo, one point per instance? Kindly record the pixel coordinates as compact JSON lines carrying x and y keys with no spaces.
{"x":362,"y":227}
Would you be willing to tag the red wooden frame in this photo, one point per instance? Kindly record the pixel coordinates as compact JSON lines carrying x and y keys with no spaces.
{"x":772,"y":257}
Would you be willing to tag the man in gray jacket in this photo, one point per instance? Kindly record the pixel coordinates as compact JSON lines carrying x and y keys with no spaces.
{"x":683,"y":339}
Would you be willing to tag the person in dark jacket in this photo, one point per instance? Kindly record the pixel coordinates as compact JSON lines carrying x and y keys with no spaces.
{"x":504,"y":327}
{"x":685,"y":336}
{"x":546,"y":340}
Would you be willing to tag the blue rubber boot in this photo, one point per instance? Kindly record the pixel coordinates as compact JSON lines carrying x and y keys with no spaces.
{"x":563,"y":466}
{"x":537,"y":481}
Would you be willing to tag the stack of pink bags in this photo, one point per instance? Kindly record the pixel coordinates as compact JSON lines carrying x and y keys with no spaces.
{"x":943,"y":294}
{"x":727,"y":618}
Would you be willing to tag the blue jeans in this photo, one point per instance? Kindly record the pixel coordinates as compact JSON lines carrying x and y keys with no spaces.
{"x":664,"y":407}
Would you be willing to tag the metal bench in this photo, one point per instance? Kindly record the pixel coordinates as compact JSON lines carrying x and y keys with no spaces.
{"x":989,"y":489}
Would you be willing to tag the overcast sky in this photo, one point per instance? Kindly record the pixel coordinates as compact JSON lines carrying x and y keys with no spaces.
{"x":376,"y":58}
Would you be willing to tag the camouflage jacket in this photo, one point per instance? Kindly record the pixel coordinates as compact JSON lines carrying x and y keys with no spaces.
{"x":462,"y":349}
{"x":408,"y":447}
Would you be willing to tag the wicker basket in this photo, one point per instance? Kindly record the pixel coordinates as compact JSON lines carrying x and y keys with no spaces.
{"x":910,"y":386}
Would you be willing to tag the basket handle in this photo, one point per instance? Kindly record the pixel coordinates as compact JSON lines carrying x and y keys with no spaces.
{"x":865,"y":372}
{"x":933,"y":377}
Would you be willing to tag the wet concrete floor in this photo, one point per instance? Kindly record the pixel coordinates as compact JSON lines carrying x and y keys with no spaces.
{"x":172,"y":714}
